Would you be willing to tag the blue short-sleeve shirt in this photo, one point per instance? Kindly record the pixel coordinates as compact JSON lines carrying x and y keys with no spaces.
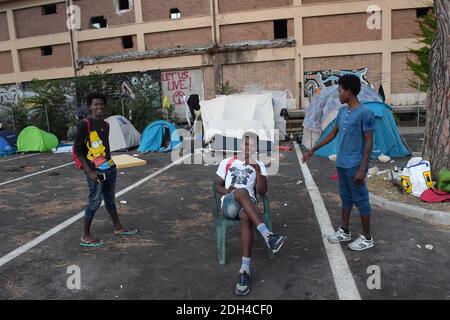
{"x":351,"y":143}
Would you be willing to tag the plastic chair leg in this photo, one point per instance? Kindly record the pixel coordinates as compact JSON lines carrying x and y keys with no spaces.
{"x":221,"y":242}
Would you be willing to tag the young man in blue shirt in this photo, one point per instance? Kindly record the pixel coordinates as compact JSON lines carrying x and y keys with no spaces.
{"x":355,"y":125}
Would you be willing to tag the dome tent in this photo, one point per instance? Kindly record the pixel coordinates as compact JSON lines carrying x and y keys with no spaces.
{"x":32,"y":139}
{"x":387,"y":139}
{"x":159,"y":136}
{"x":122,"y":133}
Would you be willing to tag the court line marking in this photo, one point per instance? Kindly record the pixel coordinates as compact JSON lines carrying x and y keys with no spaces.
{"x":342,"y":276}
{"x":24,"y":248}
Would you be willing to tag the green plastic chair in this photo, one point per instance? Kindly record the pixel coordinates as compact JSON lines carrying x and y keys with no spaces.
{"x":222,"y":223}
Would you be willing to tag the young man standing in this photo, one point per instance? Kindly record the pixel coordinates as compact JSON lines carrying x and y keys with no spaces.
{"x":235,"y":181}
{"x":92,"y":149}
{"x":355,"y":125}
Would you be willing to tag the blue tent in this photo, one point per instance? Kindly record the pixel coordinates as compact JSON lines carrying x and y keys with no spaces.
{"x":387,"y":139}
{"x":159,"y":136}
{"x":6,"y":149}
{"x":10,"y":136}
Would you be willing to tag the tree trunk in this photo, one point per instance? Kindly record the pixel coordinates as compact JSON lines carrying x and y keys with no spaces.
{"x":436,"y":145}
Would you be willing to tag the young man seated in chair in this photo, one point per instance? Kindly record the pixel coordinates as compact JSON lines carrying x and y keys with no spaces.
{"x":235,"y":182}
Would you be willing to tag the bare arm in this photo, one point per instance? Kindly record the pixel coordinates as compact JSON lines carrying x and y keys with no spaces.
{"x":220,"y":186}
{"x":324,"y":142}
{"x":361,"y":175}
{"x":261,"y":181}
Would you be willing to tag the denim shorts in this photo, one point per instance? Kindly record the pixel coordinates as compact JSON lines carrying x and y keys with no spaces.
{"x":102,"y":191}
{"x":352,"y":194}
{"x":230,"y":207}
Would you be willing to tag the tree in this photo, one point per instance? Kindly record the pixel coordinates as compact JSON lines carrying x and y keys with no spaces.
{"x":436,"y":145}
{"x":420,"y":66}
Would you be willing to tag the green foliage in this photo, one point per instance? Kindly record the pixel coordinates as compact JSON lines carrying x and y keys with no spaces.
{"x":59,"y":100}
{"x":420,"y":66}
{"x":50,"y":108}
{"x":225,"y":88}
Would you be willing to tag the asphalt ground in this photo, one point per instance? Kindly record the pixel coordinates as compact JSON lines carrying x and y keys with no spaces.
{"x":174,"y":255}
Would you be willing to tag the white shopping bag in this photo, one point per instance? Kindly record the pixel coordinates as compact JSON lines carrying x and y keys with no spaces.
{"x":416,"y":177}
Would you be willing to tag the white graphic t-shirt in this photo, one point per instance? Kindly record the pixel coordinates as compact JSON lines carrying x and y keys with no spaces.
{"x":240,"y":175}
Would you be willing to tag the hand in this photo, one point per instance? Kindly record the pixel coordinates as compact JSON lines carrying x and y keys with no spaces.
{"x":255,"y":166}
{"x":359,"y":178}
{"x":93,"y":176}
{"x":307,"y":155}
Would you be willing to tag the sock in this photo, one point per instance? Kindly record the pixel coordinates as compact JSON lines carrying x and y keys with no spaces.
{"x":245,"y":265}
{"x":264,"y":231}
{"x":345,"y":230}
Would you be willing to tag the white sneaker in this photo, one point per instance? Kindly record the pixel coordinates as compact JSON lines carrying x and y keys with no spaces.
{"x":361,"y":244}
{"x":340,"y":236}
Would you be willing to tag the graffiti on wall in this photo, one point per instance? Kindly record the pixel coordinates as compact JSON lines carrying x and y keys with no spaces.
{"x":177,"y":84}
{"x":10,"y":94}
{"x":316,"y":80}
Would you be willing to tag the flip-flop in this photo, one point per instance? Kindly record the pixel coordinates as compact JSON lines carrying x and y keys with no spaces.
{"x":93,"y":244}
{"x":126,"y":232}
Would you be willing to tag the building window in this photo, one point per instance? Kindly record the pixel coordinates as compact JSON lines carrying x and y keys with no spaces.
{"x":98,"y":22}
{"x":47,"y":51}
{"x":422,"y":12}
{"x":127,"y":42}
{"x":280,"y":29}
{"x":124,"y":5}
{"x":175,"y":13}
{"x":48,"y":9}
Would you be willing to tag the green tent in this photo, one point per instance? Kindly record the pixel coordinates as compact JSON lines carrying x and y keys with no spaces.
{"x":34,"y":139}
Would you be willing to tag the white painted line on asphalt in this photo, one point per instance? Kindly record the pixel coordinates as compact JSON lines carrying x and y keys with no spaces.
{"x":17,"y":252}
{"x":343,"y":278}
{"x":18,"y":158}
{"x":36,"y":173}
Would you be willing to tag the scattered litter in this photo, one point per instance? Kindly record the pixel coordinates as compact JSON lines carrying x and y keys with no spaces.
{"x":262,"y":281}
{"x":123,"y":201}
{"x":282,"y":156}
{"x":418,"y":246}
{"x":285,"y":148}
{"x":373,"y":170}
{"x":55,"y":194}
{"x":42,"y":167}
{"x":429,"y":247}
{"x":62,"y":149}
{"x":135,"y":155}
{"x":334,"y":177}
{"x":182,"y":199}
{"x":277,"y":214}
{"x":285,"y":204}
{"x":382,"y":172}
{"x":392,"y":161}
{"x":332,"y":157}
{"x":369,"y":176}
{"x":206,"y":165}
{"x":299,"y":182}
{"x":122,"y":172}
{"x":121,"y":287}
{"x":285,"y":225}
{"x":384,"y":158}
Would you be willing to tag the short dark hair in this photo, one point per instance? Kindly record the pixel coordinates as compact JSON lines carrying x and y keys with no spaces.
{"x":350,"y":82}
{"x":250,"y":135}
{"x":95,"y":95}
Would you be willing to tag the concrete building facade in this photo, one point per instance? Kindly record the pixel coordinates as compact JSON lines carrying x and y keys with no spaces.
{"x":274,"y":44}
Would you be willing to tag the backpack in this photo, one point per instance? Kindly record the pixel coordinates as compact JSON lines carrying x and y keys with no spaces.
{"x":74,"y":156}
{"x":228,"y":166}
{"x":434,"y":196}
